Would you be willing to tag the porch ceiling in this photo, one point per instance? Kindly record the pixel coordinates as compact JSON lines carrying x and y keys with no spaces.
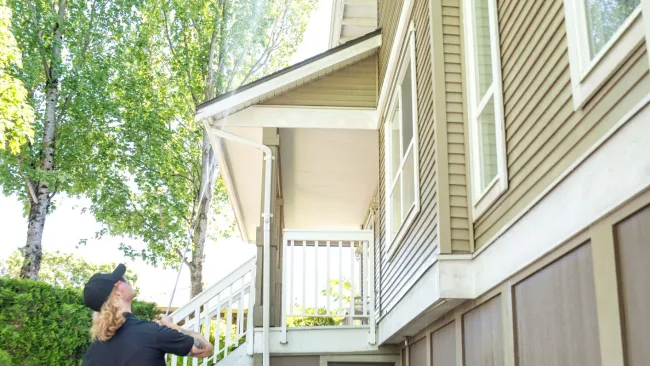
{"x":241,"y":168}
{"x":328,"y":177}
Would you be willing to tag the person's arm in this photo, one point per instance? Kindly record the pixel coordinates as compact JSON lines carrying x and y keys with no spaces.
{"x":200,"y":349}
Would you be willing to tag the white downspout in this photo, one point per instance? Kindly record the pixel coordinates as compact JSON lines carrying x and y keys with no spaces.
{"x":266,"y":270}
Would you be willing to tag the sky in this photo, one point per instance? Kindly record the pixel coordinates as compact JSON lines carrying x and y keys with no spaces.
{"x":67,"y":225}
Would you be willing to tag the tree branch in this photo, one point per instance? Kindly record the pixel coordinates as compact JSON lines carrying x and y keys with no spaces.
{"x":173,"y":51}
{"x":272,"y":45}
{"x":39,"y":39}
{"x":183,"y":257}
{"x":28,"y":182}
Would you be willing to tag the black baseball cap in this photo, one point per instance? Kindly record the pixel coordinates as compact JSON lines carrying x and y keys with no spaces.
{"x":100,"y":285}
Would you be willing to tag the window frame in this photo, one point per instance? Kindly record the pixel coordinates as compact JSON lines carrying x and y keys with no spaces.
{"x":589,"y":74}
{"x":483,"y":199}
{"x":407,"y":58}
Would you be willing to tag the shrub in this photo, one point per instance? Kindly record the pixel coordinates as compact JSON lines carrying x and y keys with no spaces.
{"x":4,"y":358}
{"x":45,"y":325}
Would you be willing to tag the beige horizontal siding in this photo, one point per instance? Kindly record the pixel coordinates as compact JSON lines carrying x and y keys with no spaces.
{"x":352,"y":86}
{"x":459,"y":218}
{"x":544,"y":134}
{"x":416,"y":253}
{"x":388,"y":17}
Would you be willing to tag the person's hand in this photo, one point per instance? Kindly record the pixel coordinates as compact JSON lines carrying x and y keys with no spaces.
{"x":166,"y":321}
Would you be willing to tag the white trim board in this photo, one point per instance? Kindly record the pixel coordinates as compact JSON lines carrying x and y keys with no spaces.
{"x":615,"y":170}
{"x":317,"y":340}
{"x":288,"y":78}
{"x":393,"y":59}
{"x":302,"y":117}
{"x":588,"y":74}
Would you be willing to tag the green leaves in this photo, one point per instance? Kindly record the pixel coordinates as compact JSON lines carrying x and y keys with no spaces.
{"x":16,"y":115}
{"x":45,"y":325}
{"x":129,"y":76}
{"x":63,"y":270}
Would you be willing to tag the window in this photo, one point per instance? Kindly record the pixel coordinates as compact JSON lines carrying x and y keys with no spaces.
{"x":601,"y":34}
{"x":402,"y":180}
{"x":485,"y":104}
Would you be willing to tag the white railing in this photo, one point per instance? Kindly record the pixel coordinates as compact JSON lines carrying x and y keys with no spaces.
{"x":328,"y":279}
{"x":227,"y":304}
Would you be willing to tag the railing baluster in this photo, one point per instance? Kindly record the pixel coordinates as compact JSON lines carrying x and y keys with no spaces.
{"x":250,"y":330}
{"x":187,"y":320}
{"x":341,"y":278}
{"x":328,"y":277}
{"x":293,"y":261}
{"x":228,"y":323}
{"x":352,"y":260}
{"x":364,"y":263}
{"x":285,"y":258}
{"x":304,"y":277}
{"x":206,"y":326}
{"x":240,"y":310}
{"x":217,"y":328}
{"x":316,"y":277}
{"x":197,"y":329}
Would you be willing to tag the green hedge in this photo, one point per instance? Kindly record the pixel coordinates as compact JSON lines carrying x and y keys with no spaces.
{"x":45,"y":325}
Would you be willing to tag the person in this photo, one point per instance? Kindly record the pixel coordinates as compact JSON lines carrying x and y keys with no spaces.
{"x":120,"y":339}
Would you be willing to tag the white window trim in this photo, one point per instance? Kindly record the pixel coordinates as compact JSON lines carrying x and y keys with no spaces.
{"x":588,"y":75}
{"x":645,"y":10}
{"x":407,"y":57}
{"x":482,"y":200}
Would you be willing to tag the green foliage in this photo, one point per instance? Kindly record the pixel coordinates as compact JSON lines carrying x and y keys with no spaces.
{"x":187,"y":52}
{"x":63,"y":269}
{"x":16,"y":115}
{"x":314,"y":321}
{"x":45,"y":325}
{"x":330,"y":320}
{"x":5,"y":360}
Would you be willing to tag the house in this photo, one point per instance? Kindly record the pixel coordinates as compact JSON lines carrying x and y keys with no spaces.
{"x":468,"y":184}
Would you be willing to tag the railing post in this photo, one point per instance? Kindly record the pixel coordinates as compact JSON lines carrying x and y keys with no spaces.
{"x":250,"y":329}
{"x":283,"y":320}
{"x":372,"y":336}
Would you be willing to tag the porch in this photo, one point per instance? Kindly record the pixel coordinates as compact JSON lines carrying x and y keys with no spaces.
{"x":327,"y":300}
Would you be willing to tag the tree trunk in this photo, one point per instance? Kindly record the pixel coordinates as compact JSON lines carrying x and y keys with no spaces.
{"x":38,"y":210}
{"x":208,"y":167}
{"x":36,"y":222}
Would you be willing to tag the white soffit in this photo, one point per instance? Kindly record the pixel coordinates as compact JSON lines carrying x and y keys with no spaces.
{"x":352,"y":19}
{"x":241,"y":168}
{"x":328,"y":177}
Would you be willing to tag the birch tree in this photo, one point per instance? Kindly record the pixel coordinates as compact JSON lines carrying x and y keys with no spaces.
{"x":67,"y":49}
{"x":190,"y":52}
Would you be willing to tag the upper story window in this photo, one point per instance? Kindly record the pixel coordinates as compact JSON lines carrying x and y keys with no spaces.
{"x":401,"y":150}
{"x":485,"y":104}
{"x":601,"y":34}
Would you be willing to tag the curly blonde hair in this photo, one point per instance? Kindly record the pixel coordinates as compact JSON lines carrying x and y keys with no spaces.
{"x":108,"y":320}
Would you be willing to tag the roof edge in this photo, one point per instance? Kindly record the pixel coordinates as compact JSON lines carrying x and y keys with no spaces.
{"x":287,"y":69}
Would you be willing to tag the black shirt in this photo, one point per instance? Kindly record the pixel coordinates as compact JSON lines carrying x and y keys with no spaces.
{"x":138,"y":342}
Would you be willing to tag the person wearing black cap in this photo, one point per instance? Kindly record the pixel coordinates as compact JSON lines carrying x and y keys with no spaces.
{"x":120,"y":339}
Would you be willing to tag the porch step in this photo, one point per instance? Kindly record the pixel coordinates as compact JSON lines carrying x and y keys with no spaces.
{"x":238,"y":357}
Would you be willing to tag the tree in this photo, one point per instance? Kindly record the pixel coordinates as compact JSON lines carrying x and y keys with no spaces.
{"x":189,"y":52}
{"x":62,"y":269}
{"x":16,"y":115}
{"x":68,"y":50}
